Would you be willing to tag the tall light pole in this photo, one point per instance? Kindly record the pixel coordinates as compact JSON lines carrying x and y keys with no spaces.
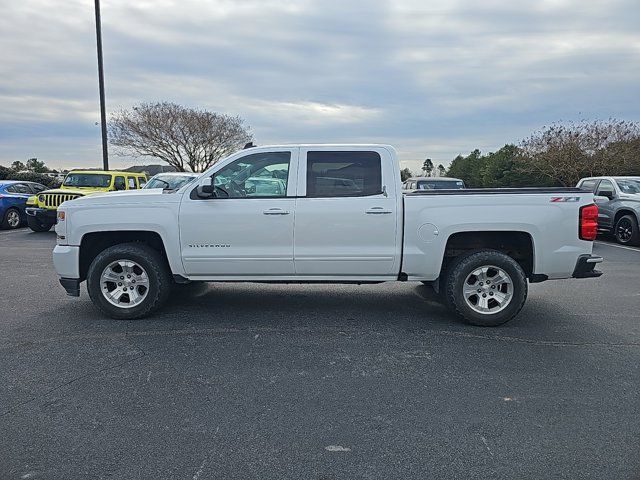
{"x":103,"y":109}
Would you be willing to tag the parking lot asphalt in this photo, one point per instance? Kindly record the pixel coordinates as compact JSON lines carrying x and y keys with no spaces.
{"x":317,"y":381}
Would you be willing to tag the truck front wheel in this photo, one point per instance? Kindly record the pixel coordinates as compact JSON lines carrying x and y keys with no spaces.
{"x":486,"y":288}
{"x":128,"y":281}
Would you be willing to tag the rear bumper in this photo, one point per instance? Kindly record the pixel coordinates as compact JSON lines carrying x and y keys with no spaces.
{"x":585,"y":266}
{"x":42,"y":214}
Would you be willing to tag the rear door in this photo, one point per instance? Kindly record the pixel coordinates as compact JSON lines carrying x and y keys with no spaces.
{"x":346,"y":213}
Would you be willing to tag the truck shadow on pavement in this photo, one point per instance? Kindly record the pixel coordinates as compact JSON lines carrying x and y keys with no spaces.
{"x":256,"y":304}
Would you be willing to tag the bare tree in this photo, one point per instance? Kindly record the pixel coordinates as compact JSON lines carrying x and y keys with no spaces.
{"x":565,"y":153}
{"x":185,"y":138}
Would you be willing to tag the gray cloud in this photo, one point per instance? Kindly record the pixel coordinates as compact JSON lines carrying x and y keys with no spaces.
{"x":433,"y":78}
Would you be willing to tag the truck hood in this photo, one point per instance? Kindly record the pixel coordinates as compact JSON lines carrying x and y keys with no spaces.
{"x":133,"y":197}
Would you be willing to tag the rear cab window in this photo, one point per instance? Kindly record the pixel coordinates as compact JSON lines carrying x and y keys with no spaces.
{"x":343,"y":174}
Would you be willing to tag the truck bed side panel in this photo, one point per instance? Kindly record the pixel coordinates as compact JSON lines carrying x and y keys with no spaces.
{"x":553,"y":226}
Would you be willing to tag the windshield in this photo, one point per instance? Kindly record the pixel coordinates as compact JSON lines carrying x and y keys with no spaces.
{"x":440,"y":184}
{"x":169,"y":182}
{"x":87,"y":180}
{"x":629,"y":185}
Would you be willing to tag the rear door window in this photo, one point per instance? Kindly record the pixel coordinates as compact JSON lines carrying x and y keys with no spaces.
{"x":19,"y":188}
{"x":118,"y":183}
{"x":131,"y":183}
{"x":343,"y":174}
{"x":605,"y":189}
{"x":589,"y":185}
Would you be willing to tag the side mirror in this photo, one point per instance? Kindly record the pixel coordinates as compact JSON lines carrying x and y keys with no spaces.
{"x":600,"y":199}
{"x":205,"y":188}
{"x":121,"y":187}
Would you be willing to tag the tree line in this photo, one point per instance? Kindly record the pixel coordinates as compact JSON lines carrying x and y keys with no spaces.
{"x":557,"y":155}
{"x":33,"y":170}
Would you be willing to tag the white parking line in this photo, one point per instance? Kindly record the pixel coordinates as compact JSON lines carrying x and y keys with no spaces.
{"x":618,"y":246}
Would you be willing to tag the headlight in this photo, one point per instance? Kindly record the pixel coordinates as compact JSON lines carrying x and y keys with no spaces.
{"x":41,"y":198}
{"x":61,"y":228}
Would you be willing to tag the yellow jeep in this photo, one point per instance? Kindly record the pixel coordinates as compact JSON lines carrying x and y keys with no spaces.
{"x":41,"y":209}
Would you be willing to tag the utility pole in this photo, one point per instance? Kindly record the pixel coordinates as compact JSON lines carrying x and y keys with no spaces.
{"x":103,"y":109}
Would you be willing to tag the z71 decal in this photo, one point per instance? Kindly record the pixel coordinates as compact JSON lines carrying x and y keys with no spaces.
{"x":564,"y":199}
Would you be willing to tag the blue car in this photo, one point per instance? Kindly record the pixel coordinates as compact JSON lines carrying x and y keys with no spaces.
{"x":13,"y":197}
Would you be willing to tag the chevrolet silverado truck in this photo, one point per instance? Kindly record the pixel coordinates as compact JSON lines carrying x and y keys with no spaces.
{"x":324,"y":213}
{"x":41,"y":209}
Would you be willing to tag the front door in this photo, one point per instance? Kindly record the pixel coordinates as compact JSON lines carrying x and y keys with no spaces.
{"x":346,"y":217}
{"x":247,"y":228}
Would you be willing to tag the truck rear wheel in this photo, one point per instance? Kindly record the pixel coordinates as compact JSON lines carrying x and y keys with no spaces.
{"x":486,"y":288}
{"x":37,"y":225}
{"x":128,"y":281}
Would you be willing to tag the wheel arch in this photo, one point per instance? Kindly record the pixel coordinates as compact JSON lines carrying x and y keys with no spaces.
{"x":93,"y":243}
{"x":622,"y":212}
{"x":518,"y":245}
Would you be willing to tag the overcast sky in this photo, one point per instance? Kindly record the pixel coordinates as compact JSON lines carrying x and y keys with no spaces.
{"x":433,"y":78}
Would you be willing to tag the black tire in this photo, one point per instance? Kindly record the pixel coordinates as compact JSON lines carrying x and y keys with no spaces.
{"x":626,"y":230}
{"x":150,"y":260}
{"x":463,"y":266}
{"x":8,"y":222}
{"x":37,"y":225}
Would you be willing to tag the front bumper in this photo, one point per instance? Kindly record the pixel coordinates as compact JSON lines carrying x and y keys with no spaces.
{"x":42,"y":214}
{"x":66,"y":261}
{"x":585,"y":266}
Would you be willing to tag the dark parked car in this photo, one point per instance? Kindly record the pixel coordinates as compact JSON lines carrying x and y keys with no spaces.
{"x":618,"y":200}
{"x":13,"y":197}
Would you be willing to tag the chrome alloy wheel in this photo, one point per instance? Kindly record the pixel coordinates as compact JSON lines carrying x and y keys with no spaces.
{"x":624,"y":230}
{"x":13,"y":219}
{"x":488,"y":289}
{"x":124,"y":283}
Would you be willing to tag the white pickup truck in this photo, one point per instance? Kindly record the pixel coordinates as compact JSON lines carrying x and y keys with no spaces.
{"x":323,"y":213}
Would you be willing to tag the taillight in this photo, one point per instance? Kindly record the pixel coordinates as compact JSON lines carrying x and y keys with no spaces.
{"x":588,"y":225}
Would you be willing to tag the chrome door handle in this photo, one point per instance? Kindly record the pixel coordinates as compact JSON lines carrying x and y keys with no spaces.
{"x":275,"y":211}
{"x":377,"y":211}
